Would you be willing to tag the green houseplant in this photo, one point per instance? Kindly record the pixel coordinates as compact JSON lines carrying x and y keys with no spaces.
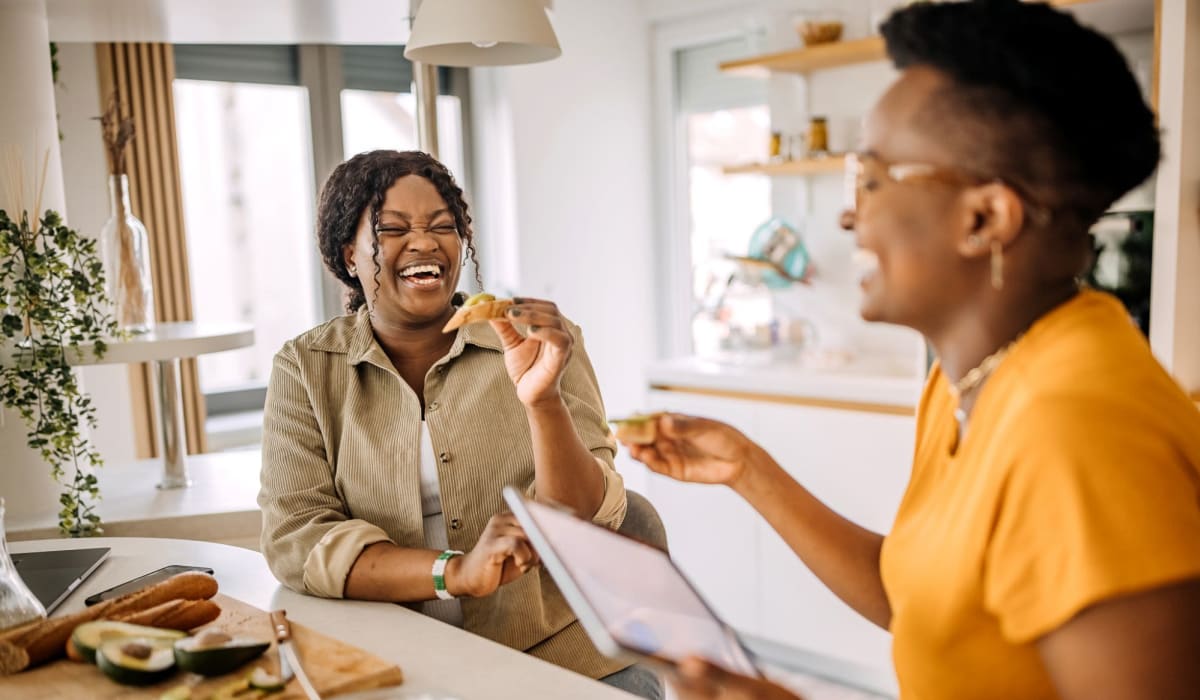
{"x":53,"y":308}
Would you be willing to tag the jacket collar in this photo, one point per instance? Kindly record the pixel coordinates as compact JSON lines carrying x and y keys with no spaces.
{"x":352,"y":336}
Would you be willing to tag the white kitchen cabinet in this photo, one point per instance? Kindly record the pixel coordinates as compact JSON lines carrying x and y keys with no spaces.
{"x":712,"y":532}
{"x":857,"y":463}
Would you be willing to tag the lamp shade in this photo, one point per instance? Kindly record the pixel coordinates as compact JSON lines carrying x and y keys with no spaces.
{"x":481,"y":33}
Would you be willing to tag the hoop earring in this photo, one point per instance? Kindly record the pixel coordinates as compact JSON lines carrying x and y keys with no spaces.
{"x":997,"y":264}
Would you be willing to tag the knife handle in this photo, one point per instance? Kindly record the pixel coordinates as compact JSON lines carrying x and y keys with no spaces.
{"x":283,"y":628}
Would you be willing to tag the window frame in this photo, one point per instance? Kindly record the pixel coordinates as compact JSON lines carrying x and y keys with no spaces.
{"x":676,"y":304}
{"x":319,"y":69}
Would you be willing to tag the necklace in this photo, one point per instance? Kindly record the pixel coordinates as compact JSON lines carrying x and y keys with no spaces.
{"x":972,"y":379}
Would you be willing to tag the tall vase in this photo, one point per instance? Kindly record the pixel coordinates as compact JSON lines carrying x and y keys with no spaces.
{"x":17,"y":604}
{"x":125,"y":247}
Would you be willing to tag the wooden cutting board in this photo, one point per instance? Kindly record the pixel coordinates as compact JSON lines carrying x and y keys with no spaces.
{"x":334,"y":667}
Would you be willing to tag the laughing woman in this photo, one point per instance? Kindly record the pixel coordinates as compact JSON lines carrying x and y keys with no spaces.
{"x":386,"y":442}
{"x":1048,"y":544}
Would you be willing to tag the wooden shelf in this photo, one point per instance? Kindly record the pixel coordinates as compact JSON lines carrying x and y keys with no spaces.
{"x":840,"y":53}
{"x":807,"y":166}
{"x":833,"y":55}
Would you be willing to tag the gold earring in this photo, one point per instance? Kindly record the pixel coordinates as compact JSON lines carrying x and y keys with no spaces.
{"x":352,"y":270}
{"x":997,"y":264}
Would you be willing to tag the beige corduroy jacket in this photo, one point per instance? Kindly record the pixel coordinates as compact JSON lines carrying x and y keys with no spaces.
{"x":341,"y":470}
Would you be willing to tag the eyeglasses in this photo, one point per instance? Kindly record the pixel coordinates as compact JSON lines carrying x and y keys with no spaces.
{"x":865,"y":172}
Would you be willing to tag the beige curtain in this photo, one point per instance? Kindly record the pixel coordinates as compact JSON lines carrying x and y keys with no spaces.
{"x":141,"y":76}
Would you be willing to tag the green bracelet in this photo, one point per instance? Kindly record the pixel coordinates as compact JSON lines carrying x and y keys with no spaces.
{"x":439,"y":573}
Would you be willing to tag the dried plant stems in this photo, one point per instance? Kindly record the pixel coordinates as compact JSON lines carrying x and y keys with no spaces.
{"x":14,"y":188}
{"x":131,"y":301}
{"x":117,"y":131}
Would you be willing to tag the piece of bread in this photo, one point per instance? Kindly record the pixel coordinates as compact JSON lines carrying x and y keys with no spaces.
{"x":480,"y":307}
{"x":44,"y":640}
{"x":179,"y":614}
{"x":638,"y":429}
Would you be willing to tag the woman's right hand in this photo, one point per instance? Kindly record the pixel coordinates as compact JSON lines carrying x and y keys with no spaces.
{"x":502,"y":554}
{"x":693,"y":449}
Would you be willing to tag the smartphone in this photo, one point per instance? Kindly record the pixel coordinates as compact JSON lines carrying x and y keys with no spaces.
{"x":142,"y":581}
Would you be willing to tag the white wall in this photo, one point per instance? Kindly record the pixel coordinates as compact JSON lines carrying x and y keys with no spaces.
{"x":564,"y":186}
{"x":85,"y":184}
{"x":85,"y":177}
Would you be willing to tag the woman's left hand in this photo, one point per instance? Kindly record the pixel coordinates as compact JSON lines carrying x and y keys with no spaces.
{"x":696,"y":679}
{"x":535,"y":361}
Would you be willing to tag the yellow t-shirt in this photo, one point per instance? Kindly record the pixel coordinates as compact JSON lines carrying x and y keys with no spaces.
{"x":1078,"y":481}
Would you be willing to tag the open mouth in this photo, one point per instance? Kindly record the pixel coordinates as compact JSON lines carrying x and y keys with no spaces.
{"x":866,"y":264}
{"x":422,"y":276}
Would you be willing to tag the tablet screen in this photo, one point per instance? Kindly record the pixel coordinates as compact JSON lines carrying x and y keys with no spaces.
{"x":644,"y":602}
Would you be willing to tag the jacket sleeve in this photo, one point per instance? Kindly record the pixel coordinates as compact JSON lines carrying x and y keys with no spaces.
{"x":309,"y":541}
{"x":581,"y":391}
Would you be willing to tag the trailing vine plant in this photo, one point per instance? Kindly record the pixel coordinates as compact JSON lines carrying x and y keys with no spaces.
{"x":53,"y":308}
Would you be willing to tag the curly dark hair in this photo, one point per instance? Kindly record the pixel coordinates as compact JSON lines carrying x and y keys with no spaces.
{"x":362,"y":182}
{"x":1037,"y":99}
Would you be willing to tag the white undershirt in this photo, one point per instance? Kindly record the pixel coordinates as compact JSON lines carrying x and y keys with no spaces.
{"x":448,"y":611}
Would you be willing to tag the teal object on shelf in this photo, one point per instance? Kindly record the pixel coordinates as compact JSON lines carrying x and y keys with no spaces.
{"x":779,"y":242}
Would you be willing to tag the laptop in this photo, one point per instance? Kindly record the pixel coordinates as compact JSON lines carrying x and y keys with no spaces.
{"x":52,"y":576}
{"x":630,"y":598}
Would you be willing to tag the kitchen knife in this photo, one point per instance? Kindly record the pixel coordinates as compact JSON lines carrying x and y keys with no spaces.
{"x":289,"y":660}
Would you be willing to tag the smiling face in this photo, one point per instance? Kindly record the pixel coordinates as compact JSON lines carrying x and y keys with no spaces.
{"x":912,"y":235}
{"x":414,"y":274}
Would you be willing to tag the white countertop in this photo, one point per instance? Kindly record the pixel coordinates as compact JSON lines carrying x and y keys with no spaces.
{"x":861,"y":383}
{"x":434,"y":656}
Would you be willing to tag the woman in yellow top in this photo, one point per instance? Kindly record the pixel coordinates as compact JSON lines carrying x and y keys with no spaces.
{"x":1048,"y":543}
{"x":387,"y":442}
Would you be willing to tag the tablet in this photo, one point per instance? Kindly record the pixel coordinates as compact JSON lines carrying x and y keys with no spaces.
{"x":631,"y":599}
{"x":52,"y":575}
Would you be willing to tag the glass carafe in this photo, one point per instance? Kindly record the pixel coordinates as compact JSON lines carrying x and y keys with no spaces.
{"x":17,"y":604}
{"x":125,"y":247}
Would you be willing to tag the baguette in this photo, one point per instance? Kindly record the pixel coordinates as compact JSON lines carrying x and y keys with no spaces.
{"x":44,"y":640}
{"x":12,"y":658}
{"x":182,"y":615}
{"x":190,"y":585}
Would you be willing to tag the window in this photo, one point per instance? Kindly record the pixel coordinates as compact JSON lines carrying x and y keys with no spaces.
{"x":723,"y":121}
{"x":380,"y":111}
{"x":252,"y":140}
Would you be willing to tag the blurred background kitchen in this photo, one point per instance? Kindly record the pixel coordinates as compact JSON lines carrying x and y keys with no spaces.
{"x":672,"y":181}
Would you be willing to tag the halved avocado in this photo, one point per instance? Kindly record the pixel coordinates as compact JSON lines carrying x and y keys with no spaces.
{"x":265,"y":680}
{"x":90,"y":635}
{"x":136,"y":660}
{"x":214,"y":660}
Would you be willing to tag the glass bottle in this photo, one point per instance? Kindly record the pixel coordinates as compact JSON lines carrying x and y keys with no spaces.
{"x":125,"y":247}
{"x":17,"y":604}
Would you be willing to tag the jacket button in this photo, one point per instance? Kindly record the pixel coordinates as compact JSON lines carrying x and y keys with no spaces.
{"x":433,"y":406}
{"x":455,"y":524}
{"x":444,"y":457}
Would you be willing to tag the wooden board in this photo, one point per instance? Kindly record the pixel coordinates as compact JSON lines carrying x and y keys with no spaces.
{"x":334,"y":667}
